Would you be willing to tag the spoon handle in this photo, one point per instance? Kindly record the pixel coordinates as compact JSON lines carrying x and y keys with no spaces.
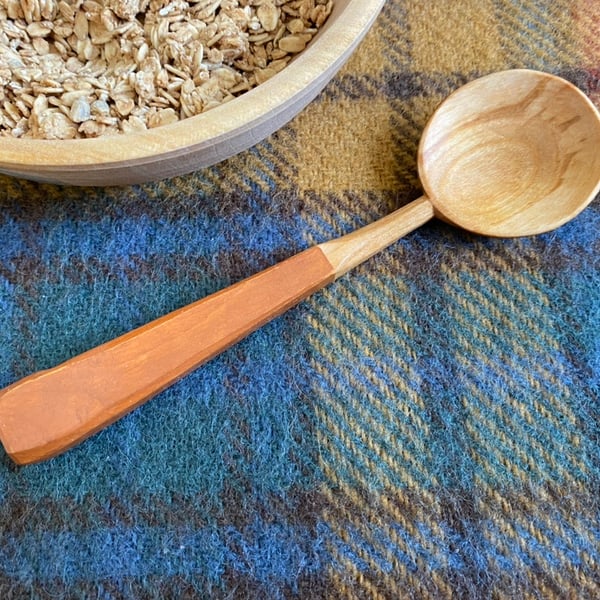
{"x":52,"y":410}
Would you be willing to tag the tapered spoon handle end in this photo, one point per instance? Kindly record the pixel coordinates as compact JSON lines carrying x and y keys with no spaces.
{"x":51,"y":411}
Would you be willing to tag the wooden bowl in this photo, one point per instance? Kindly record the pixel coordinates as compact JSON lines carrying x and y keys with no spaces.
{"x":207,"y":138}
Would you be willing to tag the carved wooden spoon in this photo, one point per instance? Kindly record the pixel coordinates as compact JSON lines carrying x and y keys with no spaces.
{"x":511,"y":154}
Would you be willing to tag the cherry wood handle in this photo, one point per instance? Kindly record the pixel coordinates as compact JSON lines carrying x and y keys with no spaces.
{"x":50,"y":411}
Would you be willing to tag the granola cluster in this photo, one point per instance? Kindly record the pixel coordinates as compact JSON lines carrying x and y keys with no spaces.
{"x":85,"y":68}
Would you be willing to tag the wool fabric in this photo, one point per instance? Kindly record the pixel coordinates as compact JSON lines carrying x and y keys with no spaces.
{"x":425,"y":427}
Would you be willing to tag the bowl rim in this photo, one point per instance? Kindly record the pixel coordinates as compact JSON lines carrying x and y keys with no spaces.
{"x":313,"y":66}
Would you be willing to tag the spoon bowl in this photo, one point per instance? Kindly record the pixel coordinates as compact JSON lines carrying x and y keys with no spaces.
{"x":511,"y":154}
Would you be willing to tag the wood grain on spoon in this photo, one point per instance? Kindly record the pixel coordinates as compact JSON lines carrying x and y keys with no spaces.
{"x":511,"y":154}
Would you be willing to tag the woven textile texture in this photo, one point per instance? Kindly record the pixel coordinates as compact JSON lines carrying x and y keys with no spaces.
{"x":425,"y":427}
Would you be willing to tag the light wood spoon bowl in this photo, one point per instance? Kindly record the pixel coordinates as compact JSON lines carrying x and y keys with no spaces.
{"x":511,"y":154}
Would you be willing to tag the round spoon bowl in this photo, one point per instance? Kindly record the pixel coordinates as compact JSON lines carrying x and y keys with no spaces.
{"x":511,"y":154}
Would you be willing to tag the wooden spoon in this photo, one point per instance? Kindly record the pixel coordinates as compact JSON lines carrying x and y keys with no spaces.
{"x":512,"y":154}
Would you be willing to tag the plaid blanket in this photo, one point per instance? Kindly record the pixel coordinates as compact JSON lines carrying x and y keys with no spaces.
{"x":426,"y":427}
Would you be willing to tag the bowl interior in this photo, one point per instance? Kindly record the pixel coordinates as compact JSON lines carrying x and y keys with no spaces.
{"x":204,"y":139}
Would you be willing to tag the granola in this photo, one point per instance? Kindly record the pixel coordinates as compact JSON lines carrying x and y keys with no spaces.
{"x":86,"y":68}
